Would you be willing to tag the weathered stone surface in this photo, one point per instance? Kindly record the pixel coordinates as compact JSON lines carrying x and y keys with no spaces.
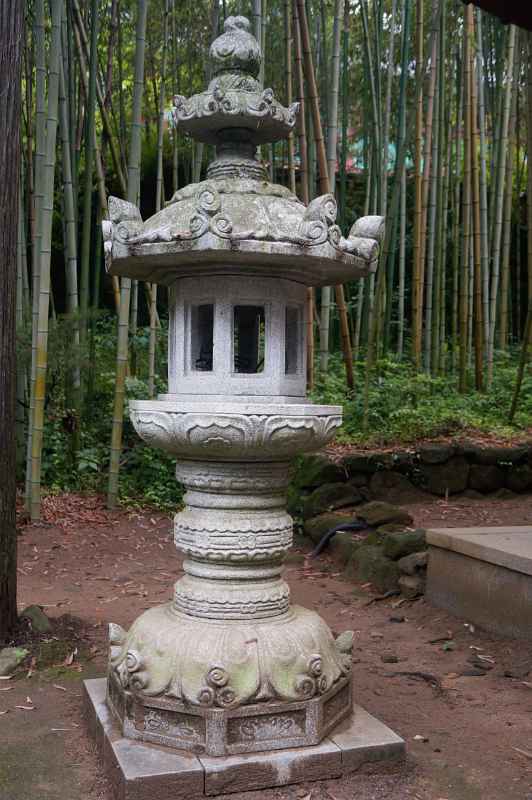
{"x":484,"y":577}
{"x":363,"y":739}
{"x":389,"y":485}
{"x":498,"y":454}
{"x":342,"y":546}
{"x":138,"y":771}
{"x":363,"y":462}
{"x":435,"y":453}
{"x":330,"y":497}
{"x":10,"y":658}
{"x":398,"y":545}
{"x":210,"y":670}
{"x":451,"y":476}
{"x":368,"y":563}
{"x":413,"y":563}
{"x":379,"y":513}
{"x":519,"y":479}
{"x":316,"y":527}
{"x":247,"y":772}
{"x":314,"y":470}
{"x":412,"y":586}
{"x":486,"y":477}
{"x":38,"y":619}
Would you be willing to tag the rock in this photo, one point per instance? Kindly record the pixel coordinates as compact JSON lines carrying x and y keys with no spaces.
{"x":317,"y":526}
{"x":391,"y":527}
{"x":378,"y":513}
{"x":472,"y":494}
{"x":397,"y":618}
{"x":389,"y":485}
{"x":314,"y":470}
{"x":342,"y":546}
{"x":519,"y":479}
{"x":329,"y":497}
{"x":449,"y":477}
{"x":486,"y":477}
{"x":434,"y":453}
{"x":10,"y":658}
{"x":398,"y":545}
{"x":413,"y":563}
{"x":411,"y":586}
{"x":38,"y":619}
{"x":504,"y":494}
{"x":362,"y":462}
{"x":368,"y":563}
{"x":389,"y":658}
{"x":359,"y":479}
{"x":497,"y":454}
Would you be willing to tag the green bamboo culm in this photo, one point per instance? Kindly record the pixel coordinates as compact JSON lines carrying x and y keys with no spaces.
{"x":40,"y":144}
{"x":133,"y":190}
{"x":89,"y":164}
{"x":159,"y":199}
{"x":41,"y":362}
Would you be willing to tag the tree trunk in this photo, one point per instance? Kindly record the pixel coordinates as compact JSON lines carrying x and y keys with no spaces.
{"x":11,"y":44}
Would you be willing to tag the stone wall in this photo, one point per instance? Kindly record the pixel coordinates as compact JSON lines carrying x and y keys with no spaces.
{"x":321,"y":483}
{"x":374,"y":487}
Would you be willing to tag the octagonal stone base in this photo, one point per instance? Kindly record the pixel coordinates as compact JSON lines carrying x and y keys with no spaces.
{"x":217,"y":731}
{"x":142,"y":771}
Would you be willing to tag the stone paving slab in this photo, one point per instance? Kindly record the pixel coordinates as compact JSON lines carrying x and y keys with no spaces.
{"x":506,"y":546}
{"x":484,"y":575}
{"x":140,"y":771}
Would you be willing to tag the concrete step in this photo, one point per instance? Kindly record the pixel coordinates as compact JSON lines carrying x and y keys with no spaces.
{"x":485,"y":575}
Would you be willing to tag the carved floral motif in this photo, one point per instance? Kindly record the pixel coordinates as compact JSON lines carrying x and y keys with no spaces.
{"x":232,"y":435}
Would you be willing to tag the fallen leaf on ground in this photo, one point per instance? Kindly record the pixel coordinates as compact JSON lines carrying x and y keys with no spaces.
{"x":522,"y":752}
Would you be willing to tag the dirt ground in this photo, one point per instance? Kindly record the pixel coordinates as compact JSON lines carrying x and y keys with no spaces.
{"x":468,"y":737}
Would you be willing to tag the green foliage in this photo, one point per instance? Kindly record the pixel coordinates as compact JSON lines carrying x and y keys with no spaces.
{"x":146,"y":475}
{"x":405,"y":406}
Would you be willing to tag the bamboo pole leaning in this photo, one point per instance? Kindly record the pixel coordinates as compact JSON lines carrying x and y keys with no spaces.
{"x":133,"y":187}
{"x":332,"y":138}
{"x":324,"y":176}
{"x":304,"y":191}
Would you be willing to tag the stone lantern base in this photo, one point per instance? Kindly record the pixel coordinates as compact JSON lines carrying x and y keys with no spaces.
{"x":142,"y":771}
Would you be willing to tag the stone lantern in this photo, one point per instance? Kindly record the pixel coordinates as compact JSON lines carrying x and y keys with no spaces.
{"x":229,"y":666}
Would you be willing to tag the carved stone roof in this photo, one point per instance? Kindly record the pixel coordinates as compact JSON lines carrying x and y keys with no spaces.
{"x":236,"y":221}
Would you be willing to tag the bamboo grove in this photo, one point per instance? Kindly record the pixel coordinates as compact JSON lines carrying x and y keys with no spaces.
{"x":420,"y":111}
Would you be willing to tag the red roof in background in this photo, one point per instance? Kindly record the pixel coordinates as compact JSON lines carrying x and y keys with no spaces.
{"x":517,"y":12}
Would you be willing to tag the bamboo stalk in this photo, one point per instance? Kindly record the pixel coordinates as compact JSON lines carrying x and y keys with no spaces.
{"x":332,"y":138}
{"x":324,"y":177}
{"x":477,"y":229}
{"x":304,"y":193}
{"x":159,"y":198}
{"x":499,"y":205}
{"x":466,"y":214}
{"x":125,"y":288}
{"x":46,"y":251}
{"x":418,"y":201}
{"x":40,"y":146}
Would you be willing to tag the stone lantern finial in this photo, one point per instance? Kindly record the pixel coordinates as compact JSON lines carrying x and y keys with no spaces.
{"x":236,"y":50}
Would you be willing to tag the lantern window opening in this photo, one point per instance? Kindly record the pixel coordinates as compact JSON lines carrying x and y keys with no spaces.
{"x":292,"y":340}
{"x":202,"y":337}
{"x":249,"y":339}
